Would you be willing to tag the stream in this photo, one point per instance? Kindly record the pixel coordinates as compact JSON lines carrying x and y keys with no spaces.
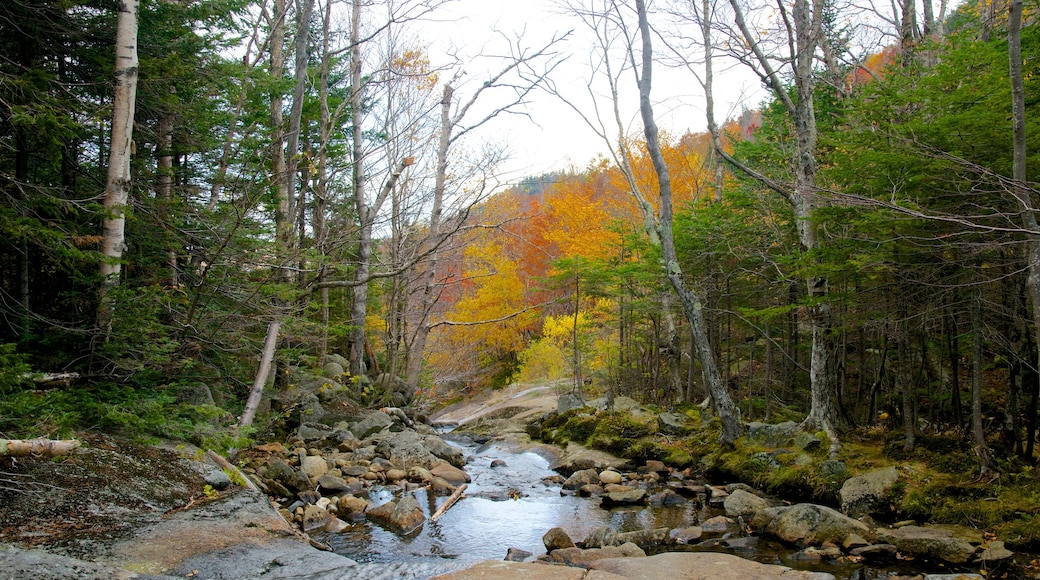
{"x":488,"y":521}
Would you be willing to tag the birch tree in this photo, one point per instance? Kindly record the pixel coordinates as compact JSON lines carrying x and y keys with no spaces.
{"x":117,"y":187}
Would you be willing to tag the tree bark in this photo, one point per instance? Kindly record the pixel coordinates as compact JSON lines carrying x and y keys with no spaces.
{"x":117,"y":188}
{"x":732,"y":427}
{"x":42,"y":447}
{"x":283,"y":210}
{"x":978,"y":432}
{"x":253,"y":402}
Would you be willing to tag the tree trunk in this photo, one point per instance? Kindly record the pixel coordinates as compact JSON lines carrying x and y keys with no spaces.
{"x":292,"y":145}
{"x":732,"y":427}
{"x":429,"y":279}
{"x":117,"y":188}
{"x":253,"y":402}
{"x":164,"y":183}
{"x":982,"y":450}
{"x":359,"y":305}
{"x":41,"y":447}
{"x":283,"y":210}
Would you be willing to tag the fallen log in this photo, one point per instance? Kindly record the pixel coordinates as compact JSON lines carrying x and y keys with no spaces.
{"x":454,"y":497}
{"x":39,"y":446}
{"x":47,"y":379}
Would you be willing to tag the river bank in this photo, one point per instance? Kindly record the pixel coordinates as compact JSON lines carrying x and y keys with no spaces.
{"x":119,"y":510}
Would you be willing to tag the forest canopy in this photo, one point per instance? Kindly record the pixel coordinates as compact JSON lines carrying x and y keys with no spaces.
{"x":184,"y":182}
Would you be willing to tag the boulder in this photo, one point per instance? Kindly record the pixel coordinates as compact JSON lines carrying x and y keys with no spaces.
{"x":609,"y":476}
{"x":928,"y":542}
{"x":666,"y":498}
{"x":672,"y":424}
{"x":995,"y":552}
{"x":622,"y":498}
{"x":577,"y":557}
{"x":557,"y":539}
{"x":444,"y":450}
{"x":371,"y":424}
{"x":314,"y":519}
{"x":646,"y":538}
{"x":770,"y":435}
{"x":332,"y":370}
{"x":489,"y":569}
{"x":404,"y":448}
{"x":404,"y":516}
{"x":314,"y":466}
{"x":580,"y":478}
{"x":603,"y":536}
{"x":590,"y":490}
{"x":685,"y":535}
{"x":808,"y":524}
{"x":718,"y":524}
{"x":568,"y":402}
{"x":743,"y":503}
{"x":869,"y":493}
{"x":517,"y":555}
{"x":331,"y":484}
{"x":450,"y":473}
{"x":700,"y":566}
{"x":350,"y":505}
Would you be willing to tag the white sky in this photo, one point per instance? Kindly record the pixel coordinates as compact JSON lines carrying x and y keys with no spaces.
{"x":555,"y":137}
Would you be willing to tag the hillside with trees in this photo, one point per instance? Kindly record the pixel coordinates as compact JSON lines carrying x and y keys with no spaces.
{"x":204,"y":199}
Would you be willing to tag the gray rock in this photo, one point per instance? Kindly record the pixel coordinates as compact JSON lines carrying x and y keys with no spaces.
{"x":332,"y":484}
{"x":517,"y":555}
{"x":215,"y":477}
{"x":602,"y":536}
{"x":581,"y":478}
{"x":277,"y":559}
{"x":332,"y":370}
{"x":718,"y":524}
{"x":875,"y":552}
{"x":622,"y":498}
{"x":930,"y":542}
{"x":672,"y":424}
{"x":373,"y":423}
{"x":499,"y":569}
{"x":807,"y":441}
{"x":995,"y":552}
{"x":557,"y":539}
{"x":833,"y":468}
{"x":590,"y":490}
{"x":769,"y":435}
{"x":808,"y":524}
{"x":404,"y":448}
{"x":869,"y":493}
{"x":314,"y":518}
{"x":686,"y":535}
{"x":647,"y":538}
{"x":580,"y":558}
{"x":743,"y":503}
{"x":444,"y":450}
{"x":310,"y":432}
{"x":40,"y":565}
{"x":705,"y":565}
{"x":666,"y":498}
{"x":567,"y":402}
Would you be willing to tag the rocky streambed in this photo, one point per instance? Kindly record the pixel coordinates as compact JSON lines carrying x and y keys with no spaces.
{"x":356,"y":499}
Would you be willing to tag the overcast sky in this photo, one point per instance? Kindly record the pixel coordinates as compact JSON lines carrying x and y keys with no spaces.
{"x":554,"y":137}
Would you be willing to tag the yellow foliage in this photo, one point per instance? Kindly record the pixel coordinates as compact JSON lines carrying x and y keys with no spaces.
{"x":490,"y":315}
{"x":542,"y":360}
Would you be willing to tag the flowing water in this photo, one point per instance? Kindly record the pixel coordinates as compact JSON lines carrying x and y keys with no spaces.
{"x":511,"y":507}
